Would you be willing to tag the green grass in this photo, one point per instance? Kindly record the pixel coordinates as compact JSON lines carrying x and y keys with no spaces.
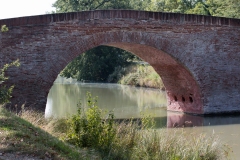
{"x":20,"y":136}
{"x":132,"y":140}
{"x":142,"y":76}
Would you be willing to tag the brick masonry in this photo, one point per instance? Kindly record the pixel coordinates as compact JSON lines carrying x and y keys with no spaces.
{"x":198,"y":57}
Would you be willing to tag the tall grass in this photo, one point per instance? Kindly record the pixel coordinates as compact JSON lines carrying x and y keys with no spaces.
{"x":133,"y":140}
{"x":142,"y":76}
{"x":97,"y":131}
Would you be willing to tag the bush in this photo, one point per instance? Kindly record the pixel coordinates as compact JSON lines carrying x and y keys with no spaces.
{"x":5,"y":92}
{"x":87,"y":128}
{"x":137,"y":139}
{"x":142,"y":76}
{"x":4,"y":28}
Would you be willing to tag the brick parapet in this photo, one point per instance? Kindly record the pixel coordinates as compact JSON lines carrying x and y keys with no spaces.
{"x":178,"y":18}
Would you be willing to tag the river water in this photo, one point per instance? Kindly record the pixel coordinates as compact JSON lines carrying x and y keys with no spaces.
{"x":132,"y":102}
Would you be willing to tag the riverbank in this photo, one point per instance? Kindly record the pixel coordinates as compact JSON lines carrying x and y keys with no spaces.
{"x":141,"y":75}
{"x":21,"y":140}
{"x":40,"y":139}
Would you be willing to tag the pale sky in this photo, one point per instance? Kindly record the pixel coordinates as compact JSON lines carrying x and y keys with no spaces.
{"x":21,"y":8}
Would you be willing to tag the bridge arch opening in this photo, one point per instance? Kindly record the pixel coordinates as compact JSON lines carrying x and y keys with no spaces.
{"x":182,"y":90}
{"x":178,"y":81}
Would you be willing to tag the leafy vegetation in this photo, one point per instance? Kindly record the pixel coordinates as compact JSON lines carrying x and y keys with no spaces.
{"x":141,"y":75}
{"x":95,"y":135}
{"x":5,"y":91}
{"x":97,"y":64}
{"x":87,"y":128}
{"x":226,"y":8}
{"x":4,"y":28}
{"x":137,"y":139}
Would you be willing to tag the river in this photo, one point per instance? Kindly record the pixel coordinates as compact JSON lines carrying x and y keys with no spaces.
{"x":132,"y":102}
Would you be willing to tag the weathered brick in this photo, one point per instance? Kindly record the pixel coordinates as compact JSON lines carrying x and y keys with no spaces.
{"x":198,"y":57}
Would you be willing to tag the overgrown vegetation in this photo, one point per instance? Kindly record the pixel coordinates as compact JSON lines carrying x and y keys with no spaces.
{"x":137,"y":139}
{"x":88,"y":128}
{"x":141,"y":75}
{"x":5,"y":91}
{"x":97,"y":64}
{"x":4,"y":28}
{"x":96,"y":135}
{"x":225,"y":8}
{"x":19,"y":136}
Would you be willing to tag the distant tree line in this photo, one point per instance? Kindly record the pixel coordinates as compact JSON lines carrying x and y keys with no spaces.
{"x":224,"y":8}
{"x":98,"y":64}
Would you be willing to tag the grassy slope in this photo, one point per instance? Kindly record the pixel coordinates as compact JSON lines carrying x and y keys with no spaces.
{"x":18,"y":136}
{"x":21,"y":137}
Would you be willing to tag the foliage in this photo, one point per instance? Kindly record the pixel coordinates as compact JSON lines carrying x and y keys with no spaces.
{"x":137,"y":139}
{"x":226,"y":8}
{"x":88,"y":128}
{"x":84,"y":5}
{"x":128,"y":140}
{"x":4,"y":28}
{"x":142,"y":76}
{"x":97,"y":64}
{"x":5,"y":92}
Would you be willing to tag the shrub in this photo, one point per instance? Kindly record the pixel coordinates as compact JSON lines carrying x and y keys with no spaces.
{"x":130,"y":139}
{"x":5,"y":92}
{"x":88,"y":128}
{"x":143,"y":76}
{"x":4,"y":28}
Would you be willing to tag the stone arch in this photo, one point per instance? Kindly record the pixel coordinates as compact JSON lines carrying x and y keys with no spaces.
{"x":177,"y":79}
{"x":200,"y":54}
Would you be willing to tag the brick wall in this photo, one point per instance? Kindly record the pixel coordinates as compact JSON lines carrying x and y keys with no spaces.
{"x":196,"y":56}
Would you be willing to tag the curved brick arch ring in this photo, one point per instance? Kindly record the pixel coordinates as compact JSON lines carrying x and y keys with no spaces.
{"x":183,"y":92}
{"x":196,"y":56}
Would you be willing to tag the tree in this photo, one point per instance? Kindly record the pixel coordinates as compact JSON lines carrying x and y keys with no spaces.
{"x":226,"y":8}
{"x":97,"y":64}
{"x":85,"y":5}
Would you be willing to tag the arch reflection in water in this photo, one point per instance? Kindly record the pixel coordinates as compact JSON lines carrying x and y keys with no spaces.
{"x":125,"y":101}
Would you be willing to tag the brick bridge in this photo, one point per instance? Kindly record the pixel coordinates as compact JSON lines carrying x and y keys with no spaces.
{"x":197,"y":57}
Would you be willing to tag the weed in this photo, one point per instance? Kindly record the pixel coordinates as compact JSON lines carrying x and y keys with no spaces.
{"x":87,"y":128}
{"x":132,"y":140}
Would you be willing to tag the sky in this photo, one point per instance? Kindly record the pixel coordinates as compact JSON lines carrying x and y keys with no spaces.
{"x":21,"y":8}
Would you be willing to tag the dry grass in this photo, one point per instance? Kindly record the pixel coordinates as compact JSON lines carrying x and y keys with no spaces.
{"x":172,"y":144}
{"x":20,"y":136}
{"x":131,"y":142}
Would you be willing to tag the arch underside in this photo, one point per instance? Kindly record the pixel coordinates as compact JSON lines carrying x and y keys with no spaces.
{"x":182,"y":90}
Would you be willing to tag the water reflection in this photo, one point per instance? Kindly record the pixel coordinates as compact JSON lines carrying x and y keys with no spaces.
{"x":130,"y":102}
{"x":125,"y":101}
{"x":175,"y":119}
